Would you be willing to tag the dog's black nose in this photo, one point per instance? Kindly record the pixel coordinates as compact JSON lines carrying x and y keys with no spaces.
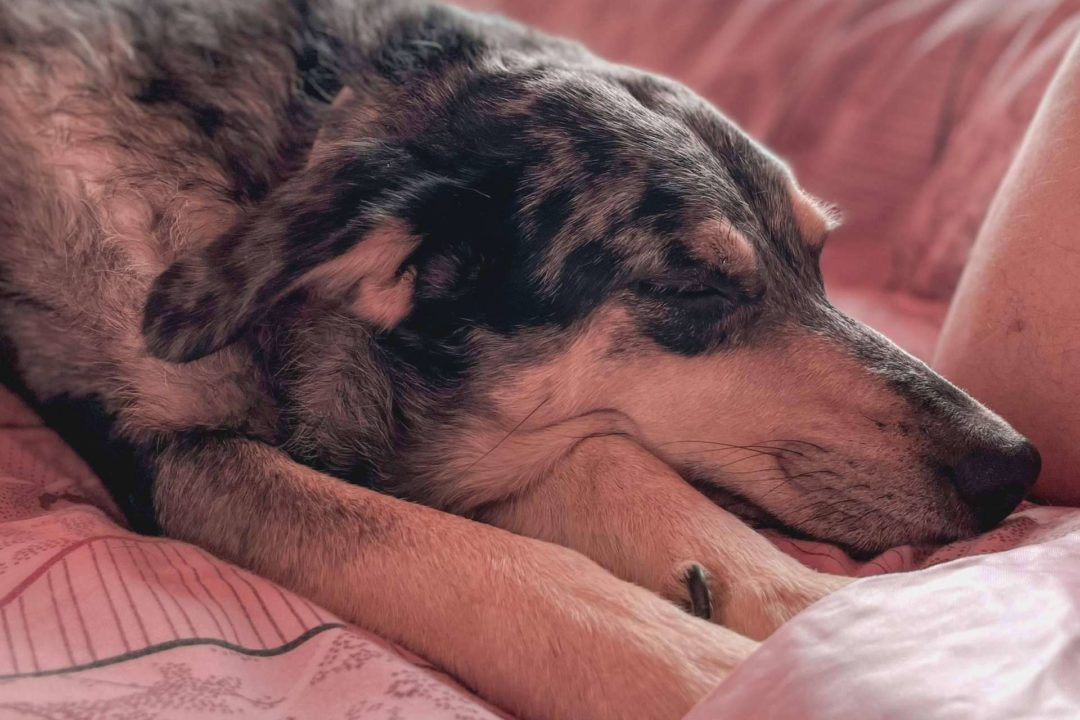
{"x":994,"y":481}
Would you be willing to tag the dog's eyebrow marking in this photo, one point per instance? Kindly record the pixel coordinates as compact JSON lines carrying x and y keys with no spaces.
{"x":814,"y":218}
{"x":718,"y":242}
{"x":372,"y":271}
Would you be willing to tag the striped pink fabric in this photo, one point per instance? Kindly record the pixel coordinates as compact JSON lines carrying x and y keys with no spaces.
{"x":109,"y":595}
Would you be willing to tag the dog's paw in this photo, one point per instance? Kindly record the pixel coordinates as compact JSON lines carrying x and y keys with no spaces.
{"x":762,"y":604}
{"x":756,"y":606}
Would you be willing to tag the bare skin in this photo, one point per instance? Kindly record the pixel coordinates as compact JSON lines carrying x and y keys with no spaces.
{"x":1012,"y":336}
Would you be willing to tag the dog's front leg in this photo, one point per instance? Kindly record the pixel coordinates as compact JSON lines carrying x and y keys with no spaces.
{"x":614,"y":501}
{"x":536,"y":628}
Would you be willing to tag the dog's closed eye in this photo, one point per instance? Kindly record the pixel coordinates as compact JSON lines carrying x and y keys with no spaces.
{"x":683,"y":289}
{"x":707,"y":290}
{"x":686,"y":282}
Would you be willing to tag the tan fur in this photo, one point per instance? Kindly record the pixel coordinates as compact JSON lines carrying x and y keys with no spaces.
{"x":723,"y":415}
{"x":621,"y":506}
{"x":370,"y":273}
{"x":717,"y":242}
{"x":384,"y":302}
{"x":814,"y":219}
{"x":168,"y":397}
{"x":621,"y":652}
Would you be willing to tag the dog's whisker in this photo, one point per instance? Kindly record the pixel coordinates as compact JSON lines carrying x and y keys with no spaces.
{"x":751,"y":472}
{"x":807,"y":443}
{"x":754,"y":446}
{"x":589,"y":436}
{"x":779,"y":483}
{"x":774,"y":448}
{"x":731,"y":449}
{"x":810,"y":473}
{"x":828,"y":510}
{"x":506,"y":437}
{"x":737,"y":462}
{"x":753,"y":453}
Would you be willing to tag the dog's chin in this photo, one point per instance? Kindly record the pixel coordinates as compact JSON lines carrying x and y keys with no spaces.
{"x":866,"y":547}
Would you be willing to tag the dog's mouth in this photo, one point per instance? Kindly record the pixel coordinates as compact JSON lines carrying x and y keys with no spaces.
{"x":745,"y":509}
{"x":760,"y":518}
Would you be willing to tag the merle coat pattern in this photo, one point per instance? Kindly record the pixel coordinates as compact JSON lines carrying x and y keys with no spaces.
{"x":307,"y":281}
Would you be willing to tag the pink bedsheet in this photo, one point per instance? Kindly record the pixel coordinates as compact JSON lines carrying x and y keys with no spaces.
{"x":995,"y":637}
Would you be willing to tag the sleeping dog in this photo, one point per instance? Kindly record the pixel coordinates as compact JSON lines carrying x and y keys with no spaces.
{"x":475,"y":339}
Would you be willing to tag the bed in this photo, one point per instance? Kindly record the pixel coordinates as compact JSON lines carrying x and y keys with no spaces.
{"x":903,"y":112}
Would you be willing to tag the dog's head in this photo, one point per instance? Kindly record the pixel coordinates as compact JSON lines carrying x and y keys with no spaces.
{"x":535,"y":239}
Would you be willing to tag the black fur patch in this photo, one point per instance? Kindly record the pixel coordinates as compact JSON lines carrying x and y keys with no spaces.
{"x":662,"y":207}
{"x":588,"y":276}
{"x":124,"y":468}
{"x":552,"y":213}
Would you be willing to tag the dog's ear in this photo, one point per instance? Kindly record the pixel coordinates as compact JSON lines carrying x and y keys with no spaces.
{"x":335,"y":227}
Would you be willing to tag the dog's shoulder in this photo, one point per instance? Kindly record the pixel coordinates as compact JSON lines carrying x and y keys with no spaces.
{"x":133,"y":132}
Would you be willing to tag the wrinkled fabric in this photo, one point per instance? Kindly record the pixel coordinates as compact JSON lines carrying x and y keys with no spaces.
{"x":995,"y":637}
